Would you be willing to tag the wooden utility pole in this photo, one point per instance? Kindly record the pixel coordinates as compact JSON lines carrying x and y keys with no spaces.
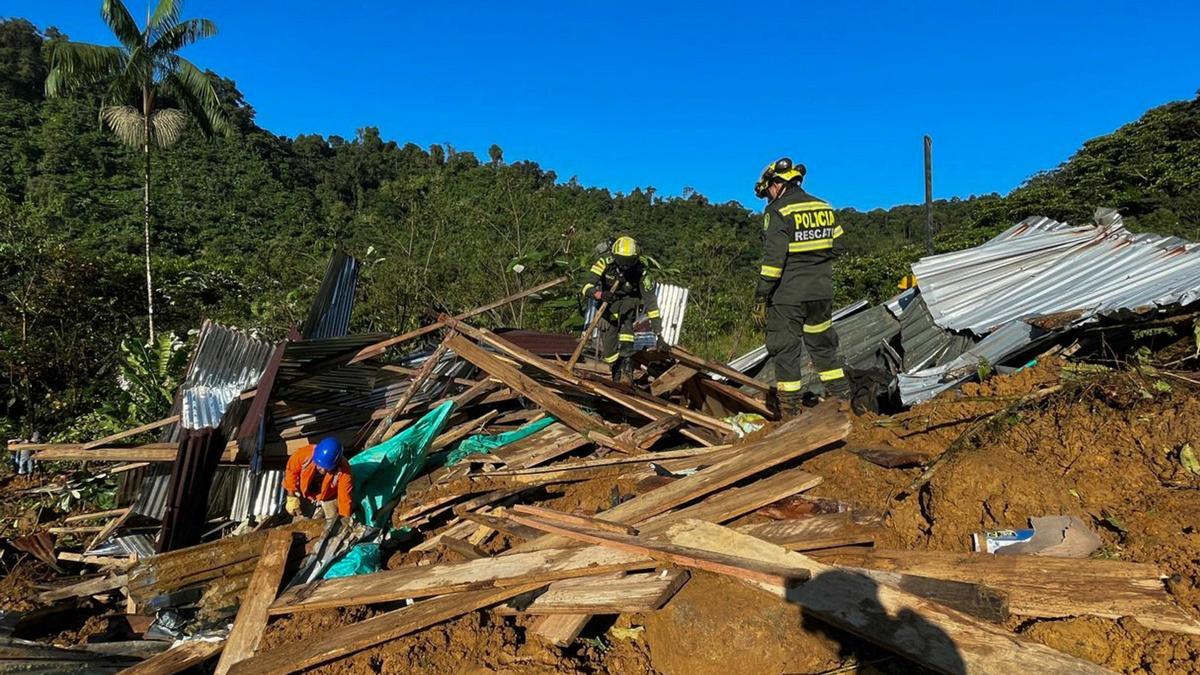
{"x":929,"y":195}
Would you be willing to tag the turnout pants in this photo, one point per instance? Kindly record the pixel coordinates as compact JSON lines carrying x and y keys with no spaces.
{"x":793,"y":328}
{"x":616,"y":329}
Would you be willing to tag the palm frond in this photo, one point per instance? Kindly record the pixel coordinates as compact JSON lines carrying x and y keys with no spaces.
{"x":183,"y":34}
{"x":166,"y":126}
{"x":126,"y":122}
{"x":117,"y":16}
{"x":79,"y":64}
{"x":195,"y":93}
{"x":166,"y":15}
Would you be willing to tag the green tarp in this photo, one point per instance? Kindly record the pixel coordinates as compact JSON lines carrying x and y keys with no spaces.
{"x":361,"y":559}
{"x":481,"y":444}
{"x":382,"y":472}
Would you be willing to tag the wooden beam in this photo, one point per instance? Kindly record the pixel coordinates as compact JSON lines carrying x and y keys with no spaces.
{"x":341,"y":642}
{"x":647,"y":435}
{"x":463,"y":430}
{"x":381,"y":432}
{"x":131,"y":432}
{"x":85,"y":588}
{"x":1044,"y":587}
{"x":251,"y":621}
{"x":562,"y":410}
{"x":606,"y":594}
{"x":612,"y":461}
{"x":573,"y":520}
{"x":925,"y":632}
{"x":672,"y":379}
{"x":684,"y":356}
{"x":721,"y":563}
{"x":177,"y":659}
{"x":416,"y":582}
{"x":151,"y":452}
{"x":463,"y":547}
{"x":94,"y":516}
{"x":500,"y":525}
{"x":736,"y":396}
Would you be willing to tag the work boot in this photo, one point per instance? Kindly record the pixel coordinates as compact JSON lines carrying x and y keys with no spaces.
{"x":791,"y":404}
{"x":625,"y":372}
{"x":839,"y":389}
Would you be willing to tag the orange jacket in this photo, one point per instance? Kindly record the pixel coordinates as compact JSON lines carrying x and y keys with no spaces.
{"x":337,"y":484}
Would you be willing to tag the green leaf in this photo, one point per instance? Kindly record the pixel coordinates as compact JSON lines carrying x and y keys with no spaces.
{"x":1187,"y":457}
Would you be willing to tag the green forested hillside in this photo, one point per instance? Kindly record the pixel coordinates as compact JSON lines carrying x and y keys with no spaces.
{"x":242,"y":226}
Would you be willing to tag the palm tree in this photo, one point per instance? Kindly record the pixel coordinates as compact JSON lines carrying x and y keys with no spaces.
{"x":144,"y":68}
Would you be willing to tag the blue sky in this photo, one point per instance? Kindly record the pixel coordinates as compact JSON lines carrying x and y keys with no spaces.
{"x":703,"y":94}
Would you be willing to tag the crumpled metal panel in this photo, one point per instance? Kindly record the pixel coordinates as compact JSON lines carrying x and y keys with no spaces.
{"x":1011,"y":338}
{"x":329,"y":314}
{"x":924,"y":343}
{"x":226,"y":363}
{"x":1041,"y":267}
{"x":259,"y":496}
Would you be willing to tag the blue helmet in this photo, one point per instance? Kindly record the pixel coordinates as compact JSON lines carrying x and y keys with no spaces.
{"x":327,"y":453}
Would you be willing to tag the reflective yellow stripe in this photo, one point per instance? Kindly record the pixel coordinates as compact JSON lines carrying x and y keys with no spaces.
{"x":803,"y":206}
{"x":818,"y":327}
{"x":626,"y":337}
{"x":599,"y":268}
{"x":771,"y":272}
{"x":653,"y":314}
{"x":587,"y":288}
{"x":613,"y":358}
{"x":625,"y":246}
{"x":837,"y":232}
{"x":790,"y":386}
{"x":814,"y":245}
{"x":827,"y":375}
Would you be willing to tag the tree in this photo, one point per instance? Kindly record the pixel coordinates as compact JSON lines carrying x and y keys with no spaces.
{"x":496,"y":155}
{"x":145,"y":68}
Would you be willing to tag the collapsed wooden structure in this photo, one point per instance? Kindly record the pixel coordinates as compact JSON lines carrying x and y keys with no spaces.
{"x":698,"y":472}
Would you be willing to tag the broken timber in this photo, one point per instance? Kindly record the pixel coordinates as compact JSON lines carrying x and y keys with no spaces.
{"x":251,"y":619}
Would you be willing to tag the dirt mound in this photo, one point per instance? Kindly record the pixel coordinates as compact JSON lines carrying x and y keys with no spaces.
{"x":1107,"y":452}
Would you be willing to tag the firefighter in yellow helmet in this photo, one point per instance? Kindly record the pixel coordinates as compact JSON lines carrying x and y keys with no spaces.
{"x":619,"y":276}
{"x":794,"y":295}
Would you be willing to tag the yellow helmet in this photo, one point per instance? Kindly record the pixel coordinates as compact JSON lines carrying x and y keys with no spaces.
{"x":782,"y":170}
{"x":625,"y":251}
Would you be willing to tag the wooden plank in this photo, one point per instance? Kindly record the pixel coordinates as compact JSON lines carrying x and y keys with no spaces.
{"x":573,"y":519}
{"x":561,"y":629}
{"x":130,"y":432}
{"x":380,"y":433}
{"x":378,"y":348}
{"x":647,"y":435}
{"x":177,"y":659}
{"x":251,"y":621}
{"x":564,"y":411}
{"x":731,"y":565}
{"x":461,"y":431}
{"x":463,"y":548}
{"x":797,"y":535}
{"x":416,"y":582}
{"x":610,"y":594}
{"x":539,"y":451}
{"x":152,"y":452}
{"x":612,"y":461}
{"x":672,"y":379}
{"x":94,"y":516}
{"x":341,"y":642}
{"x":738,"y":397}
{"x":684,"y":356}
{"x":1045,"y":587}
{"x":925,"y":632}
{"x":501,"y":525}
{"x":85,"y":588}
{"x":733,"y":502}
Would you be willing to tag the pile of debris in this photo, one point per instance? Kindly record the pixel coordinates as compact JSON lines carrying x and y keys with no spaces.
{"x":501,"y":481}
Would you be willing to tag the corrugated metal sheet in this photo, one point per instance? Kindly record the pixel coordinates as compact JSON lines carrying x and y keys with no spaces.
{"x":1041,"y":267}
{"x":755,"y":357}
{"x":226,"y":363}
{"x":329,"y":314}
{"x":672,"y":303}
{"x":924,"y":343}
{"x":259,"y":496}
{"x":1010,"y":339}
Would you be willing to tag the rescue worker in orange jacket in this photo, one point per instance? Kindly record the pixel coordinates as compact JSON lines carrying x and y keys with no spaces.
{"x":319,"y":475}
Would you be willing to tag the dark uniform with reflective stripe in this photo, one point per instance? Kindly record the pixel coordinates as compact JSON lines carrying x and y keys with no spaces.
{"x":634,"y":290}
{"x":801,"y":239}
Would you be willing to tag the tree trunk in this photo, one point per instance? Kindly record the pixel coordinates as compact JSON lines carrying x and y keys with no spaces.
{"x":146,"y":205}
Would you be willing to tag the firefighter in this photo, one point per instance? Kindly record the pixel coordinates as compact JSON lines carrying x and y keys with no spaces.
{"x":319,"y":476}
{"x":619,"y":278}
{"x":794,"y":296}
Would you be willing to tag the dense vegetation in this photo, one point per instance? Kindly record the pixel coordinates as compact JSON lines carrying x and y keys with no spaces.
{"x":243,"y":224}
